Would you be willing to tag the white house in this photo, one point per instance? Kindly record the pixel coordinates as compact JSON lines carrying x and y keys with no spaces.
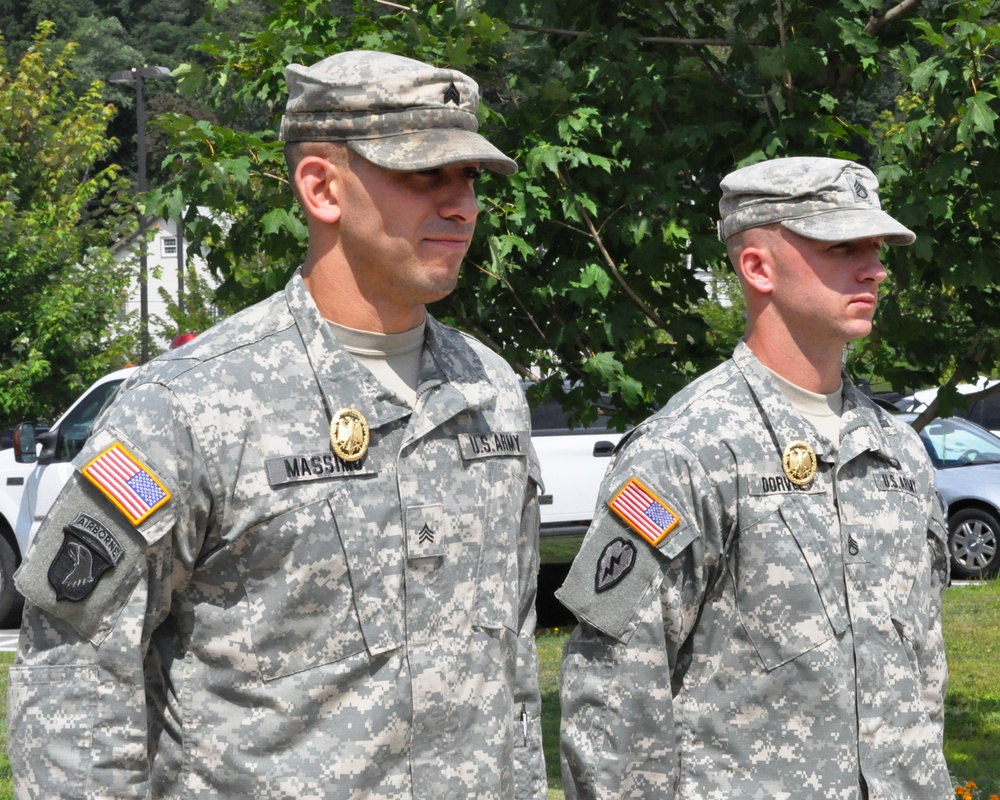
{"x":166,"y":261}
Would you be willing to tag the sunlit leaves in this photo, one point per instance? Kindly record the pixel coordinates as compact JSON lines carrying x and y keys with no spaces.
{"x":585,"y":262}
{"x":942,"y":145}
{"x":61,"y":290}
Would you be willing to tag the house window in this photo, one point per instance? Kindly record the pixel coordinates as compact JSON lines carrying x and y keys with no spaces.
{"x":168,"y":246}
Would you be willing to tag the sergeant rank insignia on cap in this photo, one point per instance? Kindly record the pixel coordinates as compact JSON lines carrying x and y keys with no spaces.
{"x":127,"y":483}
{"x":644,"y":512}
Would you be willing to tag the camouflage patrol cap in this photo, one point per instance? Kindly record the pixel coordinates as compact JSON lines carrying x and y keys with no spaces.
{"x":396,"y":112}
{"x":826,"y":199}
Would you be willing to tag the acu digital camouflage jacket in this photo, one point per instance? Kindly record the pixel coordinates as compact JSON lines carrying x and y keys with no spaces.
{"x":274,"y":621}
{"x":759,"y":637}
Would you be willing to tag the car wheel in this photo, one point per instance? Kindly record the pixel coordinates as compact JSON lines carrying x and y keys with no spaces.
{"x":974,"y":542}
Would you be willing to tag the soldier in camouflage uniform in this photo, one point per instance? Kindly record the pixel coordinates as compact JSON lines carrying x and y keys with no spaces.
{"x":298,"y":555}
{"x":760,"y":596}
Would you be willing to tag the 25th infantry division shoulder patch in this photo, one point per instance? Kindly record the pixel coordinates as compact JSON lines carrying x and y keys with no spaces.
{"x":644,"y":512}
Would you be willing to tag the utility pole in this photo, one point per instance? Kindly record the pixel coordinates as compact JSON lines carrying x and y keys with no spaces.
{"x":137,"y":75}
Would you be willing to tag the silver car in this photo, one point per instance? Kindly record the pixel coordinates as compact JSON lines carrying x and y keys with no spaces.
{"x":966,"y":460}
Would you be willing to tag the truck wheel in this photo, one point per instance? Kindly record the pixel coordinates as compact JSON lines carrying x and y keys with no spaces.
{"x":11,"y":601}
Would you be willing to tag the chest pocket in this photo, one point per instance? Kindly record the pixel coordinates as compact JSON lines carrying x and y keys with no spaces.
{"x":901,"y":547}
{"x":502,"y":486}
{"x":310,"y":602}
{"x":784,"y":589}
{"x":881,"y":521}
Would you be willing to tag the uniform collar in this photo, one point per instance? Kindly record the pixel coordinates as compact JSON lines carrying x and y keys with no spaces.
{"x":452,"y":380}
{"x":864,"y":427}
{"x":452,"y":377}
{"x":343,"y":382}
{"x":449,"y":358}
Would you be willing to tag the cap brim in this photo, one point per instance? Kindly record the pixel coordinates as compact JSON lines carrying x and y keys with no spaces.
{"x":845,"y":225}
{"x":430,"y":149}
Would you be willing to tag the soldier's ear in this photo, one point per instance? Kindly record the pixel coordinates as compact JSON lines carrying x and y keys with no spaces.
{"x":756,"y":268}
{"x":317,"y":181}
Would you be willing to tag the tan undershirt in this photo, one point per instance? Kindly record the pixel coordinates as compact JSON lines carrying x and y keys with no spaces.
{"x":822,"y":410}
{"x":393,"y":358}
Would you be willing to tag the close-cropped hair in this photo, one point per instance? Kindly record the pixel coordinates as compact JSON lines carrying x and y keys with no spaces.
{"x":334,"y":152}
{"x":748,"y":237}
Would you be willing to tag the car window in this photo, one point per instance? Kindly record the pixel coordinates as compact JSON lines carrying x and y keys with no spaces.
{"x":74,"y":430}
{"x":955,"y":444}
{"x":986,"y":412}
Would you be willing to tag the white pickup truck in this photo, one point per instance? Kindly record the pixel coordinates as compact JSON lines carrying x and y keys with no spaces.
{"x":32,"y":474}
{"x":573,"y":462}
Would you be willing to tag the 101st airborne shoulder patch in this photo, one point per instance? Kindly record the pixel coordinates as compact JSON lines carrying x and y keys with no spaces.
{"x":127,"y":483}
{"x":644,"y":512}
{"x":89,"y":549}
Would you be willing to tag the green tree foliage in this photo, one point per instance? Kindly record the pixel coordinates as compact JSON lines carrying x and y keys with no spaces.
{"x":623,"y":118}
{"x":197,"y":313}
{"x":61,"y":292}
{"x":113,"y":35}
{"x":939,"y":143}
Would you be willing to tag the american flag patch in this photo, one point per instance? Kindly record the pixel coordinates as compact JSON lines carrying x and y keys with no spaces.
{"x":127,"y":483}
{"x":644,"y":512}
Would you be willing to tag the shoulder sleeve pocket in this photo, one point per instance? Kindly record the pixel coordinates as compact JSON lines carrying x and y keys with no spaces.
{"x":612,"y":578}
{"x":87,"y":558}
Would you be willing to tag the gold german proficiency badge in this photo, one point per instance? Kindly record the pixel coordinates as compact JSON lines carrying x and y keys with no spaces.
{"x":799,"y":463}
{"x":349,"y":434}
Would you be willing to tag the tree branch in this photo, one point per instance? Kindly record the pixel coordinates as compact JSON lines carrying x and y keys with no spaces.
{"x":639,"y":302}
{"x":572,"y":228}
{"x":678,"y":40}
{"x":703,"y":56}
{"x":485,"y":338}
{"x":506,"y":283}
{"x":875,"y":25}
{"x":929,"y":413}
{"x":903,"y":9}
{"x":394,"y":5}
{"x":786,"y":75}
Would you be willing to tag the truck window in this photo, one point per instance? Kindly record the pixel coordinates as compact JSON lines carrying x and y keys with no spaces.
{"x":75,"y":429}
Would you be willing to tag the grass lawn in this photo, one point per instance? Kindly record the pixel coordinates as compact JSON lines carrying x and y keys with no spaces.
{"x":6,"y":783}
{"x":972,"y":705}
{"x":972,"y":717}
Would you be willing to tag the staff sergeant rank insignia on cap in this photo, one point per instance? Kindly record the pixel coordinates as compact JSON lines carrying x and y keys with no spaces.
{"x":799,"y":463}
{"x":644,"y":512}
{"x":349,"y":434}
